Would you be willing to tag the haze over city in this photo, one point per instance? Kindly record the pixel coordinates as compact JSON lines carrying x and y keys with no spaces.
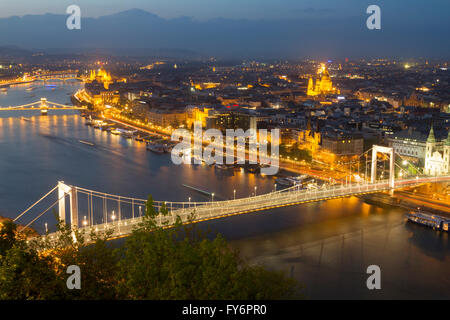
{"x":234,"y":29}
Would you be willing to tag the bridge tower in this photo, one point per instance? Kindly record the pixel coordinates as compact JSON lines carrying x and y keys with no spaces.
{"x":43,"y":106}
{"x":390,"y":151}
{"x":64,"y":191}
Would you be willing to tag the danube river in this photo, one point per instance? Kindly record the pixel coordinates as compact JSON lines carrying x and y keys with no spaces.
{"x":327,"y":246}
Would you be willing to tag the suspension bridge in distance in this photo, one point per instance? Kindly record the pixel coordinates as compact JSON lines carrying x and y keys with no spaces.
{"x":42,"y":105}
{"x":119,"y":215}
{"x":60,"y":76}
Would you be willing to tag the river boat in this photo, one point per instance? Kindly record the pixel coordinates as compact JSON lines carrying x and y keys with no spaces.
{"x":429,"y":220}
{"x":156,"y":148}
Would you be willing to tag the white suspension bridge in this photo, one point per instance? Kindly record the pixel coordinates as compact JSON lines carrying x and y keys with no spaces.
{"x":121,"y":214}
{"x":42,"y":105}
{"x":61,"y":76}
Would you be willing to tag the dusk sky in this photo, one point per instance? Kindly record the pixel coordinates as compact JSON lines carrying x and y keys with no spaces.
{"x":421,"y":10}
{"x":276,"y":28}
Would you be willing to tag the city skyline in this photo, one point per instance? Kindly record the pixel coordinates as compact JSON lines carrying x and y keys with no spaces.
{"x":224,"y":150}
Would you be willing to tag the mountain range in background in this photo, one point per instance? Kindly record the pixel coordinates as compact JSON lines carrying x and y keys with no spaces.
{"x":14,"y":52}
{"x":140,"y":33}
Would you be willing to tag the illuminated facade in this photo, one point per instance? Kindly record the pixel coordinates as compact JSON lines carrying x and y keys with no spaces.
{"x":101,"y":76}
{"x":309,"y":139}
{"x":437,"y":157}
{"x":197,"y":114}
{"x":166,"y":118}
{"x":204,"y":85}
{"x":322,"y":83}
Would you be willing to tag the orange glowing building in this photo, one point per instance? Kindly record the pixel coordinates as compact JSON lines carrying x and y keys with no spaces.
{"x":322,"y":84}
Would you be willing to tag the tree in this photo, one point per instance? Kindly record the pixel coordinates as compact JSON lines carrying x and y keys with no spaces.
{"x":37,"y":269}
{"x":150,"y":208}
{"x":157,"y":261}
{"x":97,"y":261}
{"x":7,"y":236}
{"x":181,"y":263}
{"x":294,"y":152}
{"x":24,"y":274}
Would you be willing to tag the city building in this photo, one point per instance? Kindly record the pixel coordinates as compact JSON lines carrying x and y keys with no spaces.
{"x":410,"y":144}
{"x":101,"y":76}
{"x":343,"y":144}
{"x":197,"y":114}
{"x":322,"y":84}
{"x":99,"y":97}
{"x":231,"y":120}
{"x":437,"y":158}
{"x":167,"y":117}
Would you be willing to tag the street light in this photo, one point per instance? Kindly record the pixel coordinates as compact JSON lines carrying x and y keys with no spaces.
{"x":140,"y":211}
{"x":46,"y":227}
{"x":255,"y":190}
{"x":212,"y":197}
{"x":275,"y":187}
{"x":113,"y":216}
{"x":189,"y":202}
{"x":234,"y":194}
{"x":84,"y":221}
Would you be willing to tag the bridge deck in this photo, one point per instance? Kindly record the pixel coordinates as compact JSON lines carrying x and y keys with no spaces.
{"x":42,"y":104}
{"x":214,"y":210}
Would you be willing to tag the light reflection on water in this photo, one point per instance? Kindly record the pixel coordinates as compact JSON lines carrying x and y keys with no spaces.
{"x":325,"y":245}
{"x":47,"y":149}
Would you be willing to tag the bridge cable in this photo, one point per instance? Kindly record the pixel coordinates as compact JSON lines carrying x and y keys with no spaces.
{"x":45,"y":211}
{"x":31,"y":207}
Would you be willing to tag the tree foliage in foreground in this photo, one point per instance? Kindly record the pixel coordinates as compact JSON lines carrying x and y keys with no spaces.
{"x":154,"y":263}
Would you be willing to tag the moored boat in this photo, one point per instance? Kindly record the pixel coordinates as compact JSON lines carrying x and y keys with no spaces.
{"x":157,"y":148}
{"x":291,"y":181}
{"x":283,"y":182}
{"x":430,"y":220}
{"x":127,"y":134}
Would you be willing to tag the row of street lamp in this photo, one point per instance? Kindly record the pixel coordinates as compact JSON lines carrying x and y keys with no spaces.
{"x":113,"y":216}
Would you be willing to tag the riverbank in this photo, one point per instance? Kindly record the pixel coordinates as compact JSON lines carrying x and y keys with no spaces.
{"x":7,"y":85}
{"x":400,"y":201}
{"x":288,"y":166}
